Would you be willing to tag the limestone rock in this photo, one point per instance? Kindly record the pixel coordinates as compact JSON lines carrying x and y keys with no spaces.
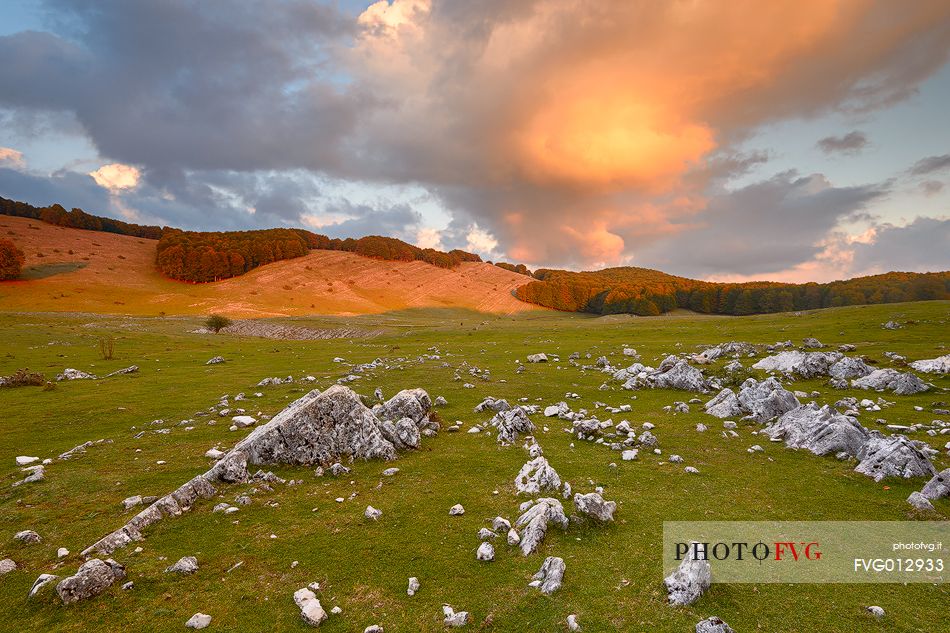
{"x":198,"y":621}
{"x":216,"y":360}
{"x":311,"y":611}
{"x":849,"y":367}
{"x":894,"y":456}
{"x":939,"y":365}
{"x":185,"y":565}
{"x":486,"y":552}
{"x":919,"y":501}
{"x":41,"y":581}
{"x":535,"y":520}
{"x":713,"y":625}
{"x":6,"y":566}
{"x":724,"y":405}
{"x":454,"y":618}
{"x":822,"y":431}
{"x":27,"y":537}
{"x":901,"y":383}
{"x":511,"y":424}
{"x":75,"y":374}
{"x":550,"y":576}
{"x":456,"y":510}
{"x":593,"y":505}
{"x":372,"y":513}
{"x":413,"y":586}
{"x":690,"y":580}
{"x":537,"y":476}
{"x":93,"y":577}
{"x":765,"y":400}
{"x":537,"y":358}
{"x":939,"y":486}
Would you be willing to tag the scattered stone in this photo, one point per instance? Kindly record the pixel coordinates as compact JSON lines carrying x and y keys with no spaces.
{"x":185,"y":565}
{"x":535,"y":521}
{"x":456,"y":510}
{"x":486,"y":552}
{"x":390,"y":472}
{"x":6,"y":566}
{"x":593,"y":505}
{"x":550,"y":576}
{"x":572,"y":623}
{"x":122,"y":372}
{"x":75,"y":374}
{"x":311,"y":611}
{"x":198,"y":621}
{"x":690,"y":580}
{"x":62,"y":552}
{"x":536,"y":476}
{"x":27,"y":537}
{"x":413,"y":586}
{"x":511,"y":424}
{"x":130,"y":502}
{"x":537,"y":358}
{"x":93,"y":577}
{"x":217,"y":360}
{"x":453,"y":618}
{"x":513,"y":538}
{"x":876,"y":611}
{"x":25,"y":460}
{"x":372,"y":513}
{"x":40,"y":582}
{"x":713,"y":625}
{"x":243,"y":421}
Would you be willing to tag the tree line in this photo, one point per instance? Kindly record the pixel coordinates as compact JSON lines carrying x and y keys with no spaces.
{"x":649,"y":292}
{"x":77,"y":219}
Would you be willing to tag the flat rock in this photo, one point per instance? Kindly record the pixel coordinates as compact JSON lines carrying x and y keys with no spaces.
{"x":198,"y":621}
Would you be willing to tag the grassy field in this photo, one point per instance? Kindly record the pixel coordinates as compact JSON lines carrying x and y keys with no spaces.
{"x":614,"y":577}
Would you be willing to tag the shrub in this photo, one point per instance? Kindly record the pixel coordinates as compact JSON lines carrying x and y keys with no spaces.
{"x":106,"y":347}
{"x":11,"y":260}
{"x":217,"y":322}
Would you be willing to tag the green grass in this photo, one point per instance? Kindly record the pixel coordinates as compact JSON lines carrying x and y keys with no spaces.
{"x":614,"y":576}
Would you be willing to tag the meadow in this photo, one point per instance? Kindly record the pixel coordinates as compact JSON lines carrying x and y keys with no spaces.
{"x":614,"y":575}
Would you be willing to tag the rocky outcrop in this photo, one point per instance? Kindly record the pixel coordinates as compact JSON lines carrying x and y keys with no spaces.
{"x":765,"y":400}
{"x":939,"y":365}
{"x":537,"y":476}
{"x":901,"y":383}
{"x":690,"y":580}
{"x":75,"y":374}
{"x":894,"y":456}
{"x":823,"y":431}
{"x":849,"y":367}
{"x":804,"y":364}
{"x":535,"y":520}
{"x":681,"y":376}
{"x":724,"y":405}
{"x":93,"y":577}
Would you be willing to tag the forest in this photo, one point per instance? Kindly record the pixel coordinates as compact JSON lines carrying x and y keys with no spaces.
{"x":648,"y":292}
{"x":202,"y":257}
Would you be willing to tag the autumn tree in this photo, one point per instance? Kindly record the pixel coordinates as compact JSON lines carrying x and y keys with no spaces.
{"x":11,"y":260}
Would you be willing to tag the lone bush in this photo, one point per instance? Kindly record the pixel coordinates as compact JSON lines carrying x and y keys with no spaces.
{"x":11,"y":260}
{"x":217,"y":322}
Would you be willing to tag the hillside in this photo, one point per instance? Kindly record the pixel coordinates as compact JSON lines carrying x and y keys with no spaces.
{"x":73,"y":270}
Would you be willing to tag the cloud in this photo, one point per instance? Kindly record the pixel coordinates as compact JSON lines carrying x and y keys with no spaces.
{"x":920,"y":246}
{"x":930,"y":165}
{"x":117,"y":177}
{"x":763,"y":228}
{"x":931,"y":187}
{"x":563,"y":132}
{"x":11,"y":158}
{"x":850,"y":143}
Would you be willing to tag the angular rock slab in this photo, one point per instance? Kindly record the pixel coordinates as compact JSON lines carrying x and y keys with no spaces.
{"x":690,"y":580}
{"x":93,"y":577}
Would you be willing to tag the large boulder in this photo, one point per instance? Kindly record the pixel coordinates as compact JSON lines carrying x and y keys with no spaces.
{"x":939,"y":365}
{"x":535,"y":520}
{"x":408,"y":403}
{"x":537,"y":476}
{"x":901,"y":383}
{"x":511,"y":424}
{"x":92,"y":578}
{"x":849,"y":367}
{"x":690,"y":580}
{"x":682,"y":376}
{"x":765,"y":400}
{"x":320,"y":429}
{"x":939,"y":486}
{"x":804,"y":364}
{"x":894,"y":456}
{"x":823,"y":431}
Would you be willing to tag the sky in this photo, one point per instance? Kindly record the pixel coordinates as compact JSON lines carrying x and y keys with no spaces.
{"x":803,"y":140}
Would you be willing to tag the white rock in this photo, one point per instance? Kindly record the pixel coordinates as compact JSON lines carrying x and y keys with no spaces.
{"x":486,"y":552}
{"x":372,"y":513}
{"x":413,"y":586}
{"x":198,"y":621}
{"x":25,"y":460}
{"x":456,"y":510}
{"x":311,"y":611}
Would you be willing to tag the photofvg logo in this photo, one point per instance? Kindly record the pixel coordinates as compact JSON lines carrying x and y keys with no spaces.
{"x":754,"y":552}
{"x":810,"y":551}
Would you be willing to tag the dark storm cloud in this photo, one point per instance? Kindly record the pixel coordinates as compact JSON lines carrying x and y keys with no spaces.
{"x":64,"y":187}
{"x":850,"y":143}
